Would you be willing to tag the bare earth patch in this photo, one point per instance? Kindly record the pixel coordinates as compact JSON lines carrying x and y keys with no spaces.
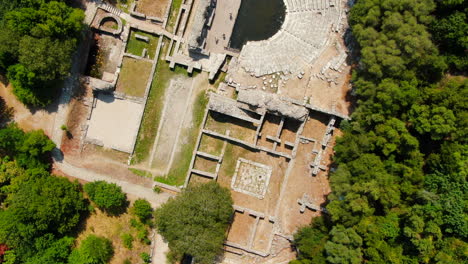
{"x":155,"y":8}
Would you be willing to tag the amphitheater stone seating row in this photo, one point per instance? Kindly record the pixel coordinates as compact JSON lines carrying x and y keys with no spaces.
{"x":309,"y":5}
{"x":300,"y":40}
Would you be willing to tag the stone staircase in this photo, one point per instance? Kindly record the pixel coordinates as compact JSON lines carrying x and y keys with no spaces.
{"x":110,"y":8}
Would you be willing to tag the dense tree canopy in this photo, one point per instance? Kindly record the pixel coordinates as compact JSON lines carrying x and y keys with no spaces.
{"x":399,"y":190}
{"x":449,"y":31}
{"x":37,"y":39}
{"x":30,"y":150}
{"x":107,"y":196}
{"x":195,"y":222}
{"x":37,"y":209}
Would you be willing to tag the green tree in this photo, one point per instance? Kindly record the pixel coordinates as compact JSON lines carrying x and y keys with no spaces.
{"x":107,"y":196}
{"x":55,"y":252}
{"x":36,"y":205}
{"x":142,"y":209}
{"x":31,"y":150}
{"x":202,"y":214}
{"x":344,"y":246}
{"x":37,"y":39}
{"x":93,"y":250}
{"x":49,"y":59}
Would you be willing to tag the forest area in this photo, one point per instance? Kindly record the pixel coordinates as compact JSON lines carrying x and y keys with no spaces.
{"x":38,"y":38}
{"x":399,"y":189}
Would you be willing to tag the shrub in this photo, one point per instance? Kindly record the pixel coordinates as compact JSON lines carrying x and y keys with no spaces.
{"x":107,"y":196}
{"x":127,"y":240}
{"x":93,"y":250}
{"x":145,"y":257}
{"x":142,"y":209}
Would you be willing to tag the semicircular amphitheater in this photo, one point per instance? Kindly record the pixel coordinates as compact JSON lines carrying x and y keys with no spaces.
{"x":303,"y":36}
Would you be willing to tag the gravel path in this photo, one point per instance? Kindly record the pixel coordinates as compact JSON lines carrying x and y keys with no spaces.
{"x":137,"y":190}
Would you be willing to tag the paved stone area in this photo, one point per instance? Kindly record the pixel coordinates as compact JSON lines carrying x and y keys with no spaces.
{"x":223,"y":23}
{"x":301,"y":39}
{"x":114,"y":123}
{"x":251,"y":178}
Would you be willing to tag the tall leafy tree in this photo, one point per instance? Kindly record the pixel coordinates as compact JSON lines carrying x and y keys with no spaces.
{"x":195,"y":222}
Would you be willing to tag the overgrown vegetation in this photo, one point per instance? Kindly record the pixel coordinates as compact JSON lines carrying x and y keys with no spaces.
{"x":195,"y":222}
{"x":37,"y":39}
{"x":133,"y":77}
{"x":399,"y":192}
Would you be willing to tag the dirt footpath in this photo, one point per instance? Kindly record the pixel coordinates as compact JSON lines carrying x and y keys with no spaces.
{"x":26,"y":118}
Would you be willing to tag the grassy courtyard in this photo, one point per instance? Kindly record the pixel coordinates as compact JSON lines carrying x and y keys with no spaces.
{"x":133,"y":77}
{"x":136,"y":46}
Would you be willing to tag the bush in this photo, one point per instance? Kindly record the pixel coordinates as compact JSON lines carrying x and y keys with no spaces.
{"x":127,"y":240}
{"x":93,"y":250}
{"x":157,"y":189}
{"x":145,"y":257}
{"x":107,"y":196}
{"x":142,"y":209}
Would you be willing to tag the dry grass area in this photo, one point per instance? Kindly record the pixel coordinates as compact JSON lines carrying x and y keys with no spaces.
{"x":134,"y":77}
{"x":204,"y":164}
{"x":279,"y":165}
{"x":211,"y":145}
{"x":155,"y":8}
{"x":239,"y":129}
{"x":197,"y":179}
{"x":112,"y":228}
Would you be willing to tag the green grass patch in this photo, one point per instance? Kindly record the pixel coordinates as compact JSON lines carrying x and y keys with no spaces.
{"x":154,"y":106}
{"x":175,"y":7}
{"x":136,"y":46}
{"x":141,"y":173}
{"x":220,"y":78}
{"x":229,"y":161}
{"x":176,"y":176}
{"x":134,"y":77}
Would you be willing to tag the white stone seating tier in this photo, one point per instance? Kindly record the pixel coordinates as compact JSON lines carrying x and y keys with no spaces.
{"x":301,"y":39}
